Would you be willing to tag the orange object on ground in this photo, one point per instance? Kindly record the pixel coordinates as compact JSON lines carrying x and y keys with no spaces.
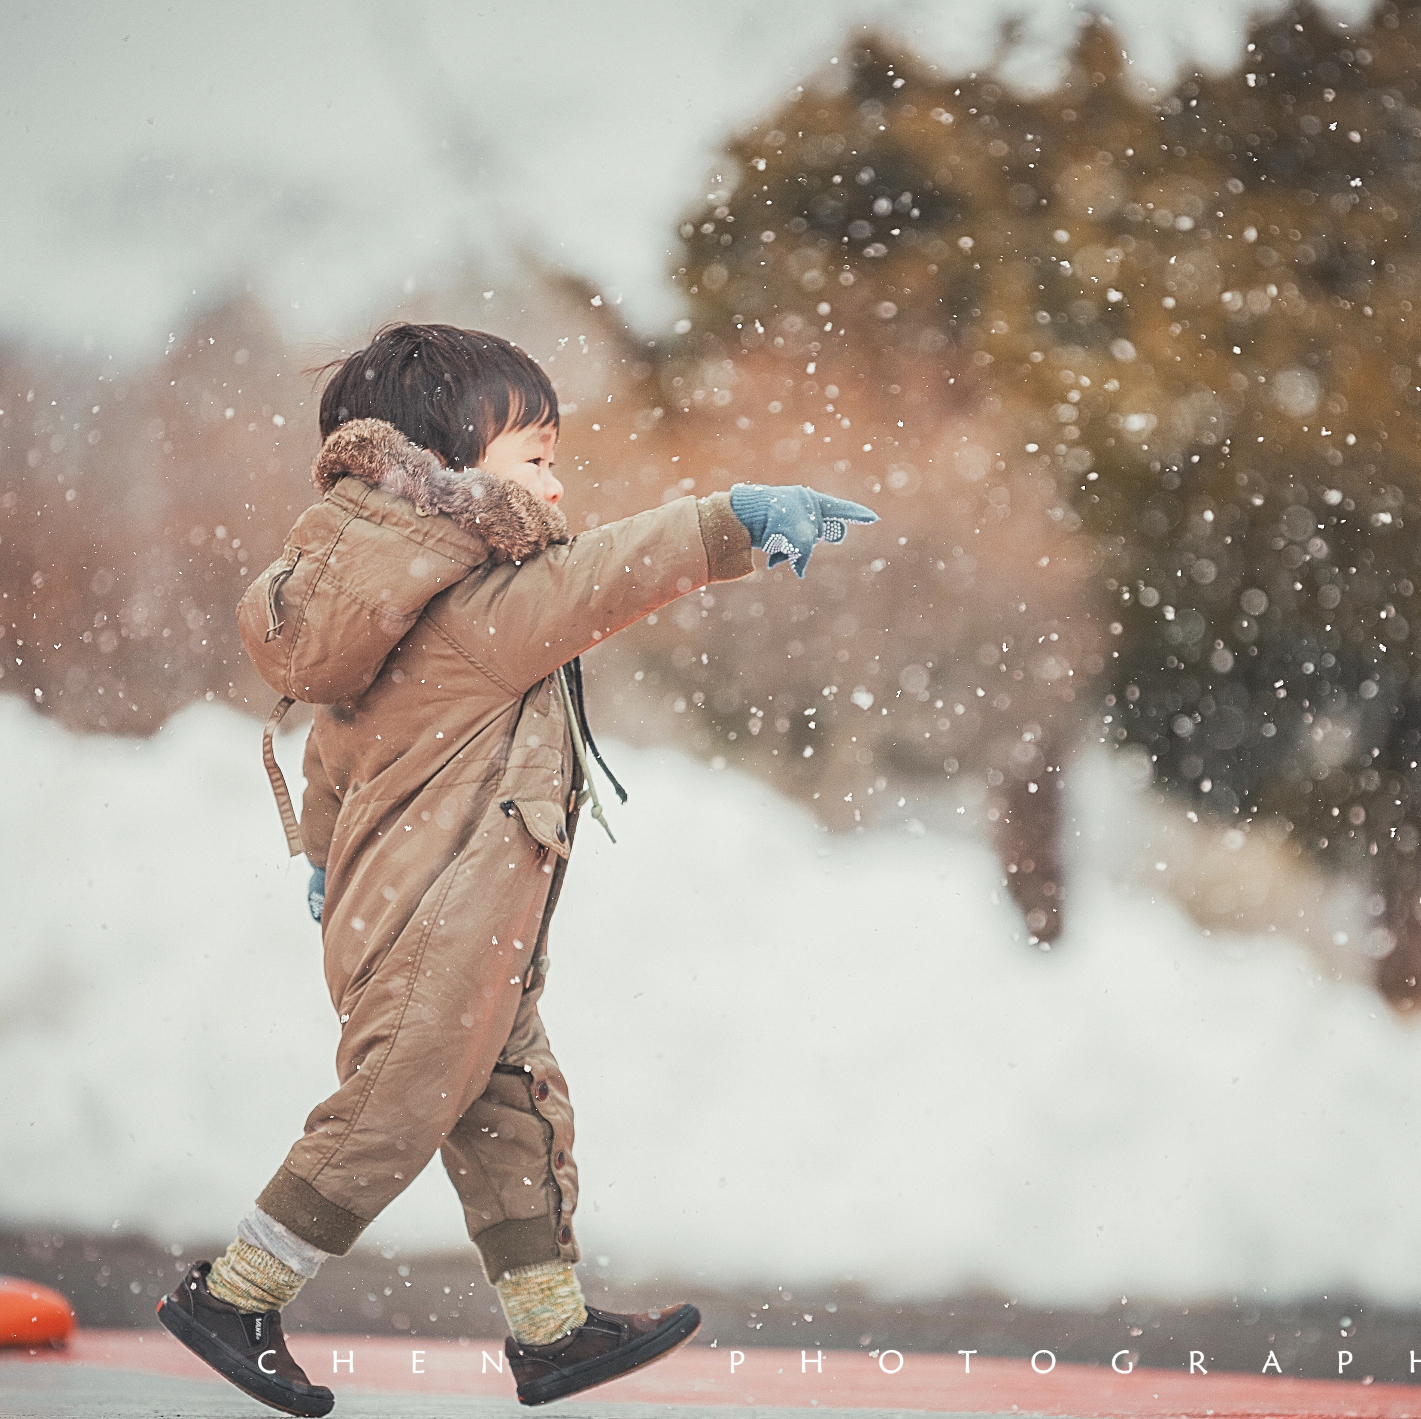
{"x":31,"y":1314}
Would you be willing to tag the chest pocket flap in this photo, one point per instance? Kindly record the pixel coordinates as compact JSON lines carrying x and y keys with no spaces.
{"x":544,"y":820}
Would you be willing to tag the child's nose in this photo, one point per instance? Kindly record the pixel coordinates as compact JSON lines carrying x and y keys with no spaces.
{"x":553,"y":490}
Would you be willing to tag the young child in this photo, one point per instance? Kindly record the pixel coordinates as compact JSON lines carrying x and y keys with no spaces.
{"x":426,"y":606}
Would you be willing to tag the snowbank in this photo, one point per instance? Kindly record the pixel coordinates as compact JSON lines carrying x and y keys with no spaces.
{"x":792,"y":1057}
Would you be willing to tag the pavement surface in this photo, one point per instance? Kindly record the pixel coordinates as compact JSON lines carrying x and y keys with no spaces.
{"x":114,"y":1282}
{"x":126,"y":1374}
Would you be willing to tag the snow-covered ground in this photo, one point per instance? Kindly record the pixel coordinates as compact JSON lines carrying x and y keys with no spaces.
{"x":793,"y":1058}
{"x":334,"y":155}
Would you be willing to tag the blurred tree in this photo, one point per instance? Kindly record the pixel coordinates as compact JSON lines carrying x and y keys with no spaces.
{"x":852,"y":291}
{"x":133,"y":505}
{"x":1256,"y":465}
{"x":1187,"y":323}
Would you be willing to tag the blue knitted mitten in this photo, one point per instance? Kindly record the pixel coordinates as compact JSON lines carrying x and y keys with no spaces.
{"x":316,"y":893}
{"x":787,"y":521}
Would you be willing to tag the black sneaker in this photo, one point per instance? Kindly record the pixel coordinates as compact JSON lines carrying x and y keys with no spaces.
{"x":606,"y":1346}
{"x":249,"y":1350}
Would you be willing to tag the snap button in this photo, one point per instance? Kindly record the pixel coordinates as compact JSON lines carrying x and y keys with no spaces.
{"x":565,"y":1235}
{"x":560,"y":1159}
{"x":541,"y":1091}
{"x":562,"y":833}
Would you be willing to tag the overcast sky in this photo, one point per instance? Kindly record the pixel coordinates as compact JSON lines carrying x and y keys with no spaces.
{"x":154,"y":156}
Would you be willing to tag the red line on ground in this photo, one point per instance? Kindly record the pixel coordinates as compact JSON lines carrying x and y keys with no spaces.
{"x":846,"y":1379}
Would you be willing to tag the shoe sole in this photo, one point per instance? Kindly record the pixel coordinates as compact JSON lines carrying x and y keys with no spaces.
{"x":654,"y":1346}
{"x":236,"y":1369}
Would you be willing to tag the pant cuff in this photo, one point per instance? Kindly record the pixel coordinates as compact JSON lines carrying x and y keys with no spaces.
{"x":526,"y":1241}
{"x":316,"y":1220}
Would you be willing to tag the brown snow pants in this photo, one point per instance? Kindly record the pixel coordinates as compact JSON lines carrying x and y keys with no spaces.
{"x":443,"y":1050}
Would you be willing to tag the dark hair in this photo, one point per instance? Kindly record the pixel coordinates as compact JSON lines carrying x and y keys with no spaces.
{"x":448,"y":390}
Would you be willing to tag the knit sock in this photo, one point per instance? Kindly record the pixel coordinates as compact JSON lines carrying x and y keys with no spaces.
{"x":253,"y":1280}
{"x":542,"y":1302}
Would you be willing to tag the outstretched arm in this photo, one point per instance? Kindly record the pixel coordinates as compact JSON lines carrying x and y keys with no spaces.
{"x":519,"y":623}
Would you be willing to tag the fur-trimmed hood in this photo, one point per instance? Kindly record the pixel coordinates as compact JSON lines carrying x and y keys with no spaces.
{"x":512,"y":521}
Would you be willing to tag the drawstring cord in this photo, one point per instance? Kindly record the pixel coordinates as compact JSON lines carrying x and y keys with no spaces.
{"x":586,"y":729}
{"x":589,"y":787}
{"x":570,"y":688}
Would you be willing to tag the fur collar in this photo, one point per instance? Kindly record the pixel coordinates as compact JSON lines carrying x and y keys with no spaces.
{"x":515,"y":524}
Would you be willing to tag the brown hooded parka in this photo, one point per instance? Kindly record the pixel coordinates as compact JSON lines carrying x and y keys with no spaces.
{"x":425,"y":613}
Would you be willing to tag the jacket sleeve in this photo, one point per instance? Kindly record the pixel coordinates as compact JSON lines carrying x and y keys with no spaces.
{"x":320,"y":806}
{"x":519,"y":623}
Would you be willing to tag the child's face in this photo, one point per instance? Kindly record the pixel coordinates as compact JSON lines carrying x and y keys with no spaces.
{"x":525,"y":457}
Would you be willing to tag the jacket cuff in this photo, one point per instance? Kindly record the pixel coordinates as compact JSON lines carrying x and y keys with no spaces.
{"x":726,"y":539}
